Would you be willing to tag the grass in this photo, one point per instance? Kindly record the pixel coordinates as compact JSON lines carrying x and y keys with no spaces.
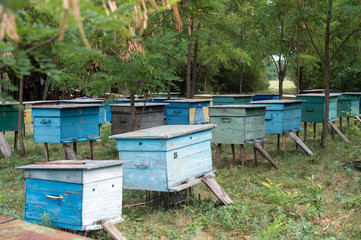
{"x":288,"y":86}
{"x":307,"y":197}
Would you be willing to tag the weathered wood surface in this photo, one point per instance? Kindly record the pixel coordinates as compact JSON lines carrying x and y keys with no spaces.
{"x":193,"y":182}
{"x":299,"y":142}
{"x":113,"y":231}
{"x":4,"y":146}
{"x":334,"y":127}
{"x":259,"y":148}
{"x":217,"y":190}
{"x":70,"y":152}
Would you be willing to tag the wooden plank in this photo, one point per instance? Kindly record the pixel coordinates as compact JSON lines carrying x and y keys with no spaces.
{"x":4,"y":146}
{"x":259,"y":148}
{"x":46,"y":152}
{"x":91,"y":142}
{"x":5,"y":219}
{"x":314,"y":130}
{"x":255,"y":155}
{"x":233,"y":153}
{"x":283,"y":142}
{"x":16,"y":139}
{"x":298,"y":135}
{"x":70,"y":152}
{"x":242,"y":154}
{"x":304,"y":131}
{"x":113,"y":231}
{"x":358,"y":119}
{"x":217,"y":190}
{"x":218,"y":156}
{"x":333,"y":126}
{"x":299,"y":142}
{"x":75,"y":147}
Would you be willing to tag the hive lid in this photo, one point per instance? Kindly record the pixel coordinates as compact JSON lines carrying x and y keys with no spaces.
{"x":278,"y":101}
{"x":40,"y":102}
{"x":352,"y":93}
{"x":234,"y":95}
{"x":73,"y":164}
{"x":189,"y":100}
{"x":63,"y":106}
{"x":164,"y":132}
{"x":318,"y":95}
{"x":141,"y":104}
{"x":203,"y":95}
{"x":239,"y":106}
{"x":265,"y":94}
{"x":8,"y":103}
{"x":89,"y":100}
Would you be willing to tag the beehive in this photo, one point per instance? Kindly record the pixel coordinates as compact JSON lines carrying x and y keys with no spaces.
{"x":89,"y":101}
{"x":204,"y":96}
{"x":187,"y":111}
{"x":314,"y":105}
{"x":65,"y":123}
{"x":9,"y":117}
{"x":164,"y":157}
{"x":238,"y":124}
{"x":152,"y":116}
{"x":75,"y":196}
{"x":28,"y":118}
{"x":282,"y":116}
{"x":232,"y":99}
{"x":108,"y":114}
{"x":348,"y":104}
{"x":264,"y":96}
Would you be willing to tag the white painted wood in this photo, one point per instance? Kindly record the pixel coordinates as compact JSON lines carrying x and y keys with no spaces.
{"x":4,"y":146}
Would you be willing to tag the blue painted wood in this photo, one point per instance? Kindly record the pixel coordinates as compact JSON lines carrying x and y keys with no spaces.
{"x":187,"y":111}
{"x":282,"y":116}
{"x":163,"y":157}
{"x":86,"y":198}
{"x":63,"y":123}
{"x":262,"y":97}
{"x":101,"y":113}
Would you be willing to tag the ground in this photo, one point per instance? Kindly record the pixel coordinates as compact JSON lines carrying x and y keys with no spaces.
{"x":307,"y":197}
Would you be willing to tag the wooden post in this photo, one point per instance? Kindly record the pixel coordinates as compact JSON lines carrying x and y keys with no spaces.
{"x":348,"y":121}
{"x":298,"y":135}
{"x":113,"y":231}
{"x":314,"y":130}
{"x":46,"y":152}
{"x":304,"y":131}
{"x":75,"y":147}
{"x":217,"y":190}
{"x":20,"y":117}
{"x":284,"y":142}
{"x":64,"y":152}
{"x":91,"y":149}
{"x":332,"y":133}
{"x":278,"y":142}
{"x":233,"y":153}
{"x":258,"y":147}
{"x":242,"y":155}
{"x":341,"y":123}
{"x":333,"y":126}
{"x":218,"y":156}
{"x":70,"y":152}
{"x":16,"y":139}
{"x":4,"y":146}
{"x":299,"y":142}
{"x":255,"y":155}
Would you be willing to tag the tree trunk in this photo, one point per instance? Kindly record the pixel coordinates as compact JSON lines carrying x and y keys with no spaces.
{"x":46,"y":89}
{"x":194,"y":70}
{"x":280,"y":84}
{"x":189,"y":62}
{"x":327,"y":76}
{"x":20,"y":118}
{"x":206,"y":78}
{"x":301,"y":80}
{"x":241,"y":80}
{"x":298,"y":77}
{"x":132,"y":110}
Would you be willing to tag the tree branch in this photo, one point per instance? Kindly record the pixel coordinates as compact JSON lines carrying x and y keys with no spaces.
{"x":160,"y":23}
{"x":343,"y":42}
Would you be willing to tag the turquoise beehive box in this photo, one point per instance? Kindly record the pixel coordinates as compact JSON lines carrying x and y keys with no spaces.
{"x":80,"y":195}
{"x":232,"y":99}
{"x":187,"y":111}
{"x":348,"y":104}
{"x":282,"y":116}
{"x":164,"y":157}
{"x":65,"y":123}
{"x":314,"y":105}
{"x":9,"y":117}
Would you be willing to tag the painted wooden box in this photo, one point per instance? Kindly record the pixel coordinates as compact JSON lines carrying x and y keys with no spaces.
{"x":66,"y":123}
{"x":264,"y":96}
{"x":28,"y":118}
{"x":164,"y":157}
{"x":348,"y":104}
{"x":187,"y":111}
{"x":76,"y":196}
{"x":152,"y":116}
{"x":9,"y":117}
{"x":161,"y":99}
{"x":282,"y":116}
{"x":238,"y":124}
{"x":288,"y":97}
{"x":108,"y":114}
{"x":164,"y":95}
{"x":204,"y":96}
{"x":232,"y":99}
{"x":89,"y":101}
{"x":314,"y":105}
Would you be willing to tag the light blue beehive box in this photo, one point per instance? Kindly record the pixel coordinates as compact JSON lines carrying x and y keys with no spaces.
{"x":65,"y":123}
{"x":187,"y":111}
{"x":164,"y":157}
{"x":74,"y":196}
{"x":282,"y":116}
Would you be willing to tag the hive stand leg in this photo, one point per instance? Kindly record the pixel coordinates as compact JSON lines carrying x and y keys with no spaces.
{"x":233,"y":153}
{"x":332,"y":133}
{"x":258,"y":147}
{"x":113,"y":231}
{"x":314,"y":130}
{"x":348,"y":121}
{"x":46,"y":152}
{"x":4,"y":146}
{"x":283,"y":142}
{"x":341,"y":123}
{"x":304,"y":131}
{"x":278,"y":142}
{"x":217,"y":189}
{"x":255,"y":155}
{"x":75,"y":147}
{"x":91,"y":142}
{"x":70,"y":152}
{"x":242,"y":154}
{"x":218,"y":155}
{"x":16,"y":139}
{"x":299,"y":142}
{"x":64,"y":152}
{"x":298,"y":135}
{"x":333,"y":126}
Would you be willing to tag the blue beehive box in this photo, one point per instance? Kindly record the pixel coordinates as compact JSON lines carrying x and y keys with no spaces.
{"x":187,"y":111}
{"x":264,"y":96}
{"x":164,"y":157}
{"x":65,"y":123}
{"x":89,"y":101}
{"x":78,"y":196}
{"x":282,"y":116}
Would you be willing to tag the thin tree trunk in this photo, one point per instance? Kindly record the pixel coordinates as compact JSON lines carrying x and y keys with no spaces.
{"x":189,"y":62}
{"x":20,"y":118}
{"x":206,"y":78}
{"x":301,"y":80}
{"x":194,"y":70}
{"x":241,"y":79}
{"x":298,"y":77}
{"x":132,"y":110}
{"x":46,"y":89}
{"x":280,"y":85}
{"x":327,"y":76}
